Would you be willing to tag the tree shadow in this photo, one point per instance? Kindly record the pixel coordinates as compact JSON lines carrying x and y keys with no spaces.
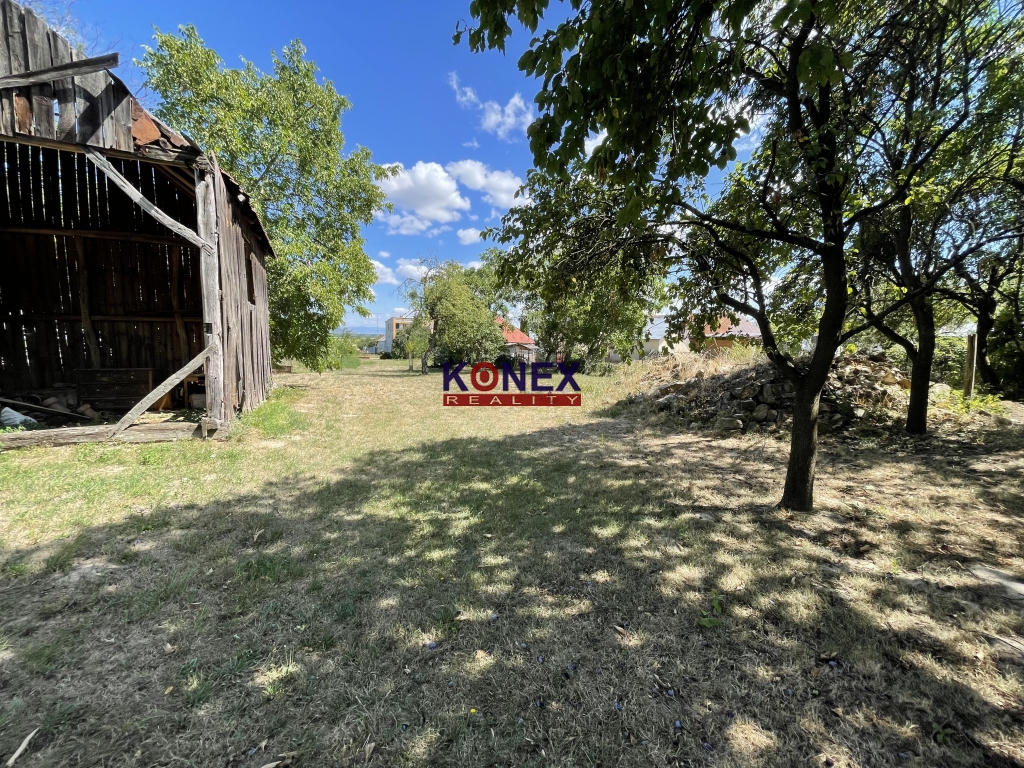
{"x":582,"y":595}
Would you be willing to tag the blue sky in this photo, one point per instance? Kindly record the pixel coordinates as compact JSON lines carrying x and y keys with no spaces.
{"x":454,"y":120}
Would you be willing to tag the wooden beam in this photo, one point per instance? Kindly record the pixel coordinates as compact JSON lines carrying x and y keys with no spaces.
{"x":43,"y":409}
{"x":131,"y":237}
{"x":209,"y":276}
{"x":179,"y":158}
{"x":97,"y":158}
{"x":12,"y":318}
{"x":83,"y":300}
{"x":969,"y":365}
{"x":70,"y":69}
{"x":141,"y":433}
{"x":169,"y":383}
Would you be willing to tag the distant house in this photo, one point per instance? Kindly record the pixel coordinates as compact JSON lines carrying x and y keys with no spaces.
{"x":373,"y":347}
{"x":517,"y":344}
{"x":391,"y":329}
{"x":725,"y":335}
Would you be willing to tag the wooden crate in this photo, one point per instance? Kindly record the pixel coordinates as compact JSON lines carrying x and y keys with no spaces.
{"x":116,"y":389}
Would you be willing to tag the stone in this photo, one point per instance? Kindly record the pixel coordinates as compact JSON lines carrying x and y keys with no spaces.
{"x":1013,"y":588}
{"x":788,"y":387}
{"x":1002,"y":421}
{"x":665,"y":389}
{"x":824,"y":428}
{"x":747,"y":405}
{"x":904,"y":383}
{"x":889,"y":379}
{"x":694,"y":426}
{"x":724,"y":425}
{"x":767,"y":394}
{"x":773,"y":415}
{"x":859,"y":413}
{"x":749,"y":391}
{"x":761,"y":412}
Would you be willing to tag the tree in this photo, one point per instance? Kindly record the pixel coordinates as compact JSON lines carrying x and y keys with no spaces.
{"x":280,"y":136}
{"x":573,"y":310}
{"x":673,"y":84}
{"x":413,"y":341}
{"x":457,"y":304}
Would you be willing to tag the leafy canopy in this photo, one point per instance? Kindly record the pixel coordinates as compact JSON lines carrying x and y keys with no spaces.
{"x":279,"y":135}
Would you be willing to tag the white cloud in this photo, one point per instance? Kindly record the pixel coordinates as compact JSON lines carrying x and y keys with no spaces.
{"x":385,"y":274}
{"x":589,"y":145}
{"x":411,"y":269}
{"x":505,"y":122}
{"x":469,"y":236}
{"x":466,"y":97}
{"x":475,"y":264}
{"x":500,"y":186}
{"x":400,"y":310}
{"x":383,"y":254}
{"x":425,"y":195}
{"x":472,"y":144}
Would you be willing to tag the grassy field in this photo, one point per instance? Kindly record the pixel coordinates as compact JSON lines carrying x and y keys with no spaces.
{"x":360,"y":576}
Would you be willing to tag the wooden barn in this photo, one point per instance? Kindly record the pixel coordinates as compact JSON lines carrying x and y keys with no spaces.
{"x":131,"y":267}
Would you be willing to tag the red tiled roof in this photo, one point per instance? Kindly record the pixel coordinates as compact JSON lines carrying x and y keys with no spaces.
{"x":512,"y":334}
{"x":744,"y":329}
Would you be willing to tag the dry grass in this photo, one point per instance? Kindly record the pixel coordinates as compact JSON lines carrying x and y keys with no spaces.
{"x":358,"y":565}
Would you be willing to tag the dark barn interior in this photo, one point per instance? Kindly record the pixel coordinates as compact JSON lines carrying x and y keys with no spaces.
{"x":132,"y":270}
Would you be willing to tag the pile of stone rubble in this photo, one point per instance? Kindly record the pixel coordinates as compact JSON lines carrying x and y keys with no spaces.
{"x":759,"y":398}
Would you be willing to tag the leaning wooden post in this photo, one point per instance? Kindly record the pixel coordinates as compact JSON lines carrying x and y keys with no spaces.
{"x":969,"y":364}
{"x":209,"y":272}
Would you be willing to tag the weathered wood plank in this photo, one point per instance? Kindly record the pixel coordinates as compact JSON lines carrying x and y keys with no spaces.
{"x":209,"y":275}
{"x":89,"y":105}
{"x":170,"y":383}
{"x":37,"y":46}
{"x":121,"y":116}
{"x":6,"y":97}
{"x":141,"y":433}
{"x":63,"y":90}
{"x":64,"y":68}
{"x":139,"y":199}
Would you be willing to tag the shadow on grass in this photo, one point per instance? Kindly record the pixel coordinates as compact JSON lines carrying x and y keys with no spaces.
{"x":566,"y":597}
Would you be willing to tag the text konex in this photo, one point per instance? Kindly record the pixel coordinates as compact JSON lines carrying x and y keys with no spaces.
{"x":519,"y":386}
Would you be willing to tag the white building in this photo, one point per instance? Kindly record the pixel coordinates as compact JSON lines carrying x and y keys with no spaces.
{"x":391,"y":329}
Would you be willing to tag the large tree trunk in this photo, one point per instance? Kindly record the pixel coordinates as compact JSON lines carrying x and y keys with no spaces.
{"x":803,"y":450}
{"x":921,"y":370}
{"x":986,"y":322}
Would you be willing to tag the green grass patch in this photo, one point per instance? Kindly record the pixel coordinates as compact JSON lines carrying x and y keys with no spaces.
{"x":276,"y":417}
{"x":275,"y":568}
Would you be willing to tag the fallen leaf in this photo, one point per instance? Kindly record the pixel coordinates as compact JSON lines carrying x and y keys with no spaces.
{"x":621,"y":631}
{"x":170,"y":648}
{"x":169,"y":689}
{"x":262,"y":746}
{"x":257,"y":535}
{"x":488,"y":535}
{"x":369,"y":750}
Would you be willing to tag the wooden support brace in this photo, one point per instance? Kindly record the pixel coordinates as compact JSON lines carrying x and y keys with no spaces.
{"x":170,"y":383}
{"x":70,"y":69}
{"x":97,"y":158}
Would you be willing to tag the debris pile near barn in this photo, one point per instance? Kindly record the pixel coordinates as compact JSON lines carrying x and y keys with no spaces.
{"x":759,"y":398}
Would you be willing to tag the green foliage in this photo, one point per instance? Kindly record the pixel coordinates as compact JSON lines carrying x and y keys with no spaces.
{"x":1006,"y":342}
{"x":460,"y":304}
{"x":413,"y":340}
{"x":342,"y":352}
{"x":279,"y":135}
{"x":587,"y":283}
{"x":955,"y":401}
